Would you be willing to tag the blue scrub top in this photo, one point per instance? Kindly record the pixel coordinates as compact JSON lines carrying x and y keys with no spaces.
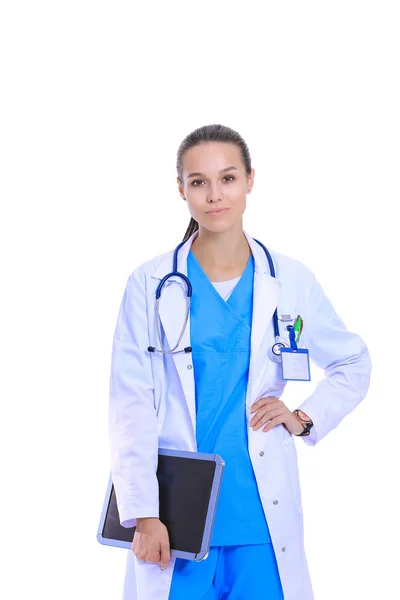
{"x":220,"y":333}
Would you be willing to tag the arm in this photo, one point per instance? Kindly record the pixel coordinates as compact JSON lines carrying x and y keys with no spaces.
{"x":133,"y":428}
{"x":344,"y":358}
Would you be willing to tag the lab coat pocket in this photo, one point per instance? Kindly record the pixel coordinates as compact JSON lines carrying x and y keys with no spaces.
{"x":292,"y":470}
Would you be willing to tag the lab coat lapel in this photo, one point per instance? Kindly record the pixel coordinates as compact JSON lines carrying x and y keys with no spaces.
{"x":266,"y":292}
{"x":172,"y":311}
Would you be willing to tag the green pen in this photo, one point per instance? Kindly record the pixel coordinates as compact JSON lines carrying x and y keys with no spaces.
{"x":298,"y":327}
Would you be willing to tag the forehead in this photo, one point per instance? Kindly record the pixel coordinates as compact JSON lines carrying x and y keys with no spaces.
{"x":211,"y":157}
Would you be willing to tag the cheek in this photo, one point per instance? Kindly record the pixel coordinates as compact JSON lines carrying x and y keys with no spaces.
{"x":197,"y":201}
{"x":239,"y":203}
{"x":236,"y":194}
{"x":196,"y":196}
{"x":196,"y":208}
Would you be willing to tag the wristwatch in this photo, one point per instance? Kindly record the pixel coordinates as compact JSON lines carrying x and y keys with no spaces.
{"x":307,"y":423}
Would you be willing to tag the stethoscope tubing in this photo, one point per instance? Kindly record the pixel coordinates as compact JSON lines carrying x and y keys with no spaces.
{"x":274,"y":351}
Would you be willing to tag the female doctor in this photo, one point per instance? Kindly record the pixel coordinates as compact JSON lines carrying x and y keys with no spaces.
{"x":222,"y":394}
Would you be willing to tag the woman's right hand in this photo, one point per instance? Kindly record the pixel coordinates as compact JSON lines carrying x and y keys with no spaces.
{"x":151,"y":542}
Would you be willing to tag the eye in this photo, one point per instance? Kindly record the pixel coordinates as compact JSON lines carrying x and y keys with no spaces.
{"x":231,"y":176}
{"x":195,"y":181}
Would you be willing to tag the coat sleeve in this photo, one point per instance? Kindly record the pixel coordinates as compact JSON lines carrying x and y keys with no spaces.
{"x":343,"y":356}
{"x":133,"y":430}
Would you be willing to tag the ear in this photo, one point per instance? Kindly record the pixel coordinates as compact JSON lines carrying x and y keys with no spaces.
{"x":250,"y":181}
{"x":180,"y":187}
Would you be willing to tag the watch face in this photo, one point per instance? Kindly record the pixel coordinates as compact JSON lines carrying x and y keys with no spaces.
{"x":303,"y":416}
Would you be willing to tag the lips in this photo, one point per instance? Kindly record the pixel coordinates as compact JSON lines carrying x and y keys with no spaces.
{"x":217,"y":212}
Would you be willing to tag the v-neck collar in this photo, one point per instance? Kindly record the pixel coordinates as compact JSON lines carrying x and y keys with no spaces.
{"x":200,"y":268}
{"x":228,"y":304}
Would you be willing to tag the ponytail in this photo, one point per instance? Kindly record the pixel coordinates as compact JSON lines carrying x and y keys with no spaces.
{"x":193,"y":226}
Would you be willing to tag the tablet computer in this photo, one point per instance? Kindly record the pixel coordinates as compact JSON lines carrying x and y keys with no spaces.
{"x":189,"y":485}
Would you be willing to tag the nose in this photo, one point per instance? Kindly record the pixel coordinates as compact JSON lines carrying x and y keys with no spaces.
{"x":214,"y":192}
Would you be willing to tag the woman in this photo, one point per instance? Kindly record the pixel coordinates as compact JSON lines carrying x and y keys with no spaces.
{"x":223,"y":396}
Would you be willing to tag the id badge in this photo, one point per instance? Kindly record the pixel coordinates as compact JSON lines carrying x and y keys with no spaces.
{"x":295,"y":364}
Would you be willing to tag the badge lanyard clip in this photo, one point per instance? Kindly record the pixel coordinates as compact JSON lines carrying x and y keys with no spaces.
{"x":295,"y":363}
{"x":292,"y":336}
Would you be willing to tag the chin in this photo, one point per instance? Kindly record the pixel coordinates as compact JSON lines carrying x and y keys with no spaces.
{"x":220,"y":226}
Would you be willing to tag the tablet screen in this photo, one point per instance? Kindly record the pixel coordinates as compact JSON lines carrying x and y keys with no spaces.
{"x":113,"y":529}
{"x":184,"y":505}
{"x":185,"y":486}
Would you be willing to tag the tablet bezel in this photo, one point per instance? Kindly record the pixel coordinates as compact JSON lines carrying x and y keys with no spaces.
{"x":215,"y":489}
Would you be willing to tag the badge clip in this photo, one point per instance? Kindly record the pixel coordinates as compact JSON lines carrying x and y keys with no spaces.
{"x":285,"y":318}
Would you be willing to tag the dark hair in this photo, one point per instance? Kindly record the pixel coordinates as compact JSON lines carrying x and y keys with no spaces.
{"x":211,"y":133}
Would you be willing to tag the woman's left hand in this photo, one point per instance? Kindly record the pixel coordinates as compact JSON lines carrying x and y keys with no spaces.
{"x":274,"y":410}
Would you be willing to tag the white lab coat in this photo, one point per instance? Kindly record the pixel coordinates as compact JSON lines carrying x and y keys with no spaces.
{"x":152,"y":402}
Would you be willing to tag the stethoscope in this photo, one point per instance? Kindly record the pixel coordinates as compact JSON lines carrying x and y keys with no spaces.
{"x":274,"y":352}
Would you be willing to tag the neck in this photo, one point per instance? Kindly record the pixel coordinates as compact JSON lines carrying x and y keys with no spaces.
{"x":226,"y":249}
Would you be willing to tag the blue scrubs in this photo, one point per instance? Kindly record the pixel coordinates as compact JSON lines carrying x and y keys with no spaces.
{"x":231,"y":573}
{"x":241,"y":544}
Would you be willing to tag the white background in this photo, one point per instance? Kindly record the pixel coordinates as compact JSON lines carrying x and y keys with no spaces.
{"x":95,"y":100}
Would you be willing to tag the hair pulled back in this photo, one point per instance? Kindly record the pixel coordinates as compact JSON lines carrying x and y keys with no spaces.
{"x":211,"y":133}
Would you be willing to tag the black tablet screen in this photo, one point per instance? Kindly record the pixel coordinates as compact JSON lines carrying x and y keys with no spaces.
{"x":185,"y":486}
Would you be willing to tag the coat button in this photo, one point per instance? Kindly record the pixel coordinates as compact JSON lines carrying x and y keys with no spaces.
{"x":261,"y":453}
{"x":284,"y":549}
{"x":189,"y":367}
{"x":275,"y":502}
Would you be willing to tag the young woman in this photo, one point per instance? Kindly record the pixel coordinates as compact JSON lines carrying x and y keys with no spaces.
{"x":224,"y":396}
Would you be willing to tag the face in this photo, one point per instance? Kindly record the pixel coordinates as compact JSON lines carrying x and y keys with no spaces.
{"x":214,"y":178}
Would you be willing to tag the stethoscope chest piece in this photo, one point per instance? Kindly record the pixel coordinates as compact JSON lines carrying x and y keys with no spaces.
{"x":274,"y":353}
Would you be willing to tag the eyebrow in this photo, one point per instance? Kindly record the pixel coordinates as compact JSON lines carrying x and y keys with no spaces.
{"x":221,"y":171}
